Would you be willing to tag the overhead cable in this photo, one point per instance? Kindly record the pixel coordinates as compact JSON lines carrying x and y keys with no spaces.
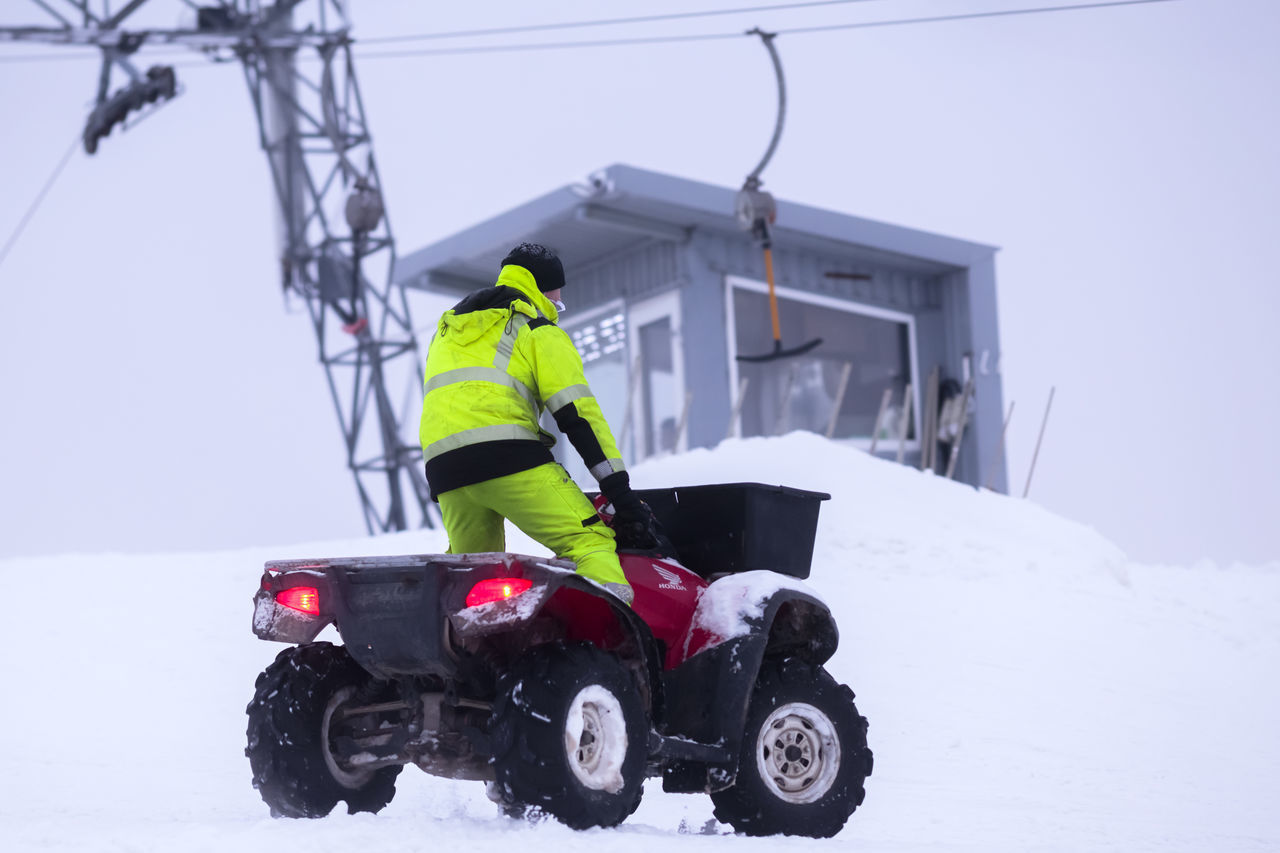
{"x":522,"y":28}
{"x":967,"y":16}
{"x":603,"y":22}
{"x":40,"y":196}
{"x":532,"y":46}
{"x":621,"y":42}
{"x":549,"y":45}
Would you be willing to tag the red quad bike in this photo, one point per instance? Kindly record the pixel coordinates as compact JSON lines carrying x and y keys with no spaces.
{"x":516,"y":671}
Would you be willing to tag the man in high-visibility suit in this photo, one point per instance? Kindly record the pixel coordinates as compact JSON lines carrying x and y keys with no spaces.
{"x":496,"y":361}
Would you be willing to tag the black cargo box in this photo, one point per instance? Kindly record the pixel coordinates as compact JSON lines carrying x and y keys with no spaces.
{"x":739,"y":527}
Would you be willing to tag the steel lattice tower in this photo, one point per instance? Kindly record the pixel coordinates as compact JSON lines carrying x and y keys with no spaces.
{"x":337,"y":250}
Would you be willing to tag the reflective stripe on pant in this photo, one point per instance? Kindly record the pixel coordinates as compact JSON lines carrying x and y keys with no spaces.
{"x":544,"y":503}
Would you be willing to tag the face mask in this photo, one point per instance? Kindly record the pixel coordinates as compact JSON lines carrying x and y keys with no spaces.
{"x":559,"y":306}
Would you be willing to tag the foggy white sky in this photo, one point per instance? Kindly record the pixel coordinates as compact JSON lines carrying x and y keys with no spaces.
{"x":154,"y":394}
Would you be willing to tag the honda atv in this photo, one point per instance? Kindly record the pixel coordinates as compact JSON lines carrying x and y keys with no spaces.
{"x":516,"y":671}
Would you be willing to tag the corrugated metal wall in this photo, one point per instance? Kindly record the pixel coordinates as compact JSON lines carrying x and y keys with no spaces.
{"x":632,"y":275}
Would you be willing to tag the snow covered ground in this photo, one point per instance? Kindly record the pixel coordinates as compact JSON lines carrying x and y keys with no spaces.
{"x":1028,"y":689}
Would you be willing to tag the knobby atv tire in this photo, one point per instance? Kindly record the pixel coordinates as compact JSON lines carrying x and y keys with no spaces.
{"x":532,"y":759}
{"x":790,"y":779}
{"x":287,"y":748}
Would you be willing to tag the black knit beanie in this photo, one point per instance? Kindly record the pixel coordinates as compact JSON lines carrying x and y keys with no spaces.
{"x":547,"y":270}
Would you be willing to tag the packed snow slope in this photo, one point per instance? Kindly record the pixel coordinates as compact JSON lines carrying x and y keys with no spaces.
{"x":1028,"y":689}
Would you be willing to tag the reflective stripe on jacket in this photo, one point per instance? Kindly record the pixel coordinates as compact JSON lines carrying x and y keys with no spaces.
{"x":496,"y":362}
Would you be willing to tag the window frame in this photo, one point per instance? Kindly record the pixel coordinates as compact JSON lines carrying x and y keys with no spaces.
{"x":669,"y":304}
{"x":733,"y":282}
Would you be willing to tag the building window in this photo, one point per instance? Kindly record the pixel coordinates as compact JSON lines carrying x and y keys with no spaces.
{"x":800,"y":392}
{"x":604,"y":337}
{"x":601,"y":338}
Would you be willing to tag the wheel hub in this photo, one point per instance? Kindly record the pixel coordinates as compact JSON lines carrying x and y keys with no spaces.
{"x":589,"y":751}
{"x":798,"y":753}
{"x":595,"y":739}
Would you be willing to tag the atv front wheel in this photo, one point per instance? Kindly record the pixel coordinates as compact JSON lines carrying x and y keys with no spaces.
{"x":294,"y":719}
{"x":570,"y":737}
{"x":804,"y":756}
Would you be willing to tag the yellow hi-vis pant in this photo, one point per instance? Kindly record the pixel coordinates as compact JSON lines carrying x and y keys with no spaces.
{"x":547,"y":505}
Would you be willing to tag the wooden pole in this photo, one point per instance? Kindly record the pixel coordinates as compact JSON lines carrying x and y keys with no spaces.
{"x":929,"y":432}
{"x":875,"y":430}
{"x":632,"y":382}
{"x":964,"y":416}
{"x":835,"y":409}
{"x":1044,"y":423}
{"x":906,"y":419}
{"x":786,"y":400}
{"x":998,"y":452}
{"x":735,"y":425}
{"x":684,"y":421}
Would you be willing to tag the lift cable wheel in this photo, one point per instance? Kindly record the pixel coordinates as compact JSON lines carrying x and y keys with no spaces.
{"x":756,"y":212}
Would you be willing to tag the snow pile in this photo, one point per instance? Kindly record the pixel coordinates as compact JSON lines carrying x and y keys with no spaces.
{"x":888,"y":515}
{"x":1028,"y":688}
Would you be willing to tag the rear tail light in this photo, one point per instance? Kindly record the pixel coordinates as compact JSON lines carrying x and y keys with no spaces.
{"x":496,"y":589}
{"x":305,"y":599}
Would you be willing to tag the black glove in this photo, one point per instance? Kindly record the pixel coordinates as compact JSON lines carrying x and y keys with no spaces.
{"x":633,"y":522}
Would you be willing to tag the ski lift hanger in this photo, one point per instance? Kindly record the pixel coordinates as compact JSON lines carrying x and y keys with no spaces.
{"x":756,"y":212}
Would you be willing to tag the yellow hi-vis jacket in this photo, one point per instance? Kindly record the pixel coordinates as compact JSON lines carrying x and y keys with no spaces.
{"x":496,"y":361}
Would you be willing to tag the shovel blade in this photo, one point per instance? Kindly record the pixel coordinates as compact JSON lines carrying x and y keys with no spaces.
{"x":780,"y":353}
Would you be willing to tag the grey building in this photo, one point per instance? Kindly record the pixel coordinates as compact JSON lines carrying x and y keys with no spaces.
{"x":665,"y":291}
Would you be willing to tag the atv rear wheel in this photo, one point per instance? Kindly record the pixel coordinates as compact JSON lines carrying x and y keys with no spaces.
{"x":804,"y":756}
{"x":293,"y":720}
{"x":570,"y":737}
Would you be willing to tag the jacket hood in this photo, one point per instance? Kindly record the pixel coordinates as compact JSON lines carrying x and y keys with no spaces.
{"x":515,"y":291}
{"x":521,"y":279}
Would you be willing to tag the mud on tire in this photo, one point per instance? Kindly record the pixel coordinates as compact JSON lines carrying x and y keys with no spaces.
{"x":570,"y":737}
{"x":289,"y":750}
{"x":804,"y":755}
